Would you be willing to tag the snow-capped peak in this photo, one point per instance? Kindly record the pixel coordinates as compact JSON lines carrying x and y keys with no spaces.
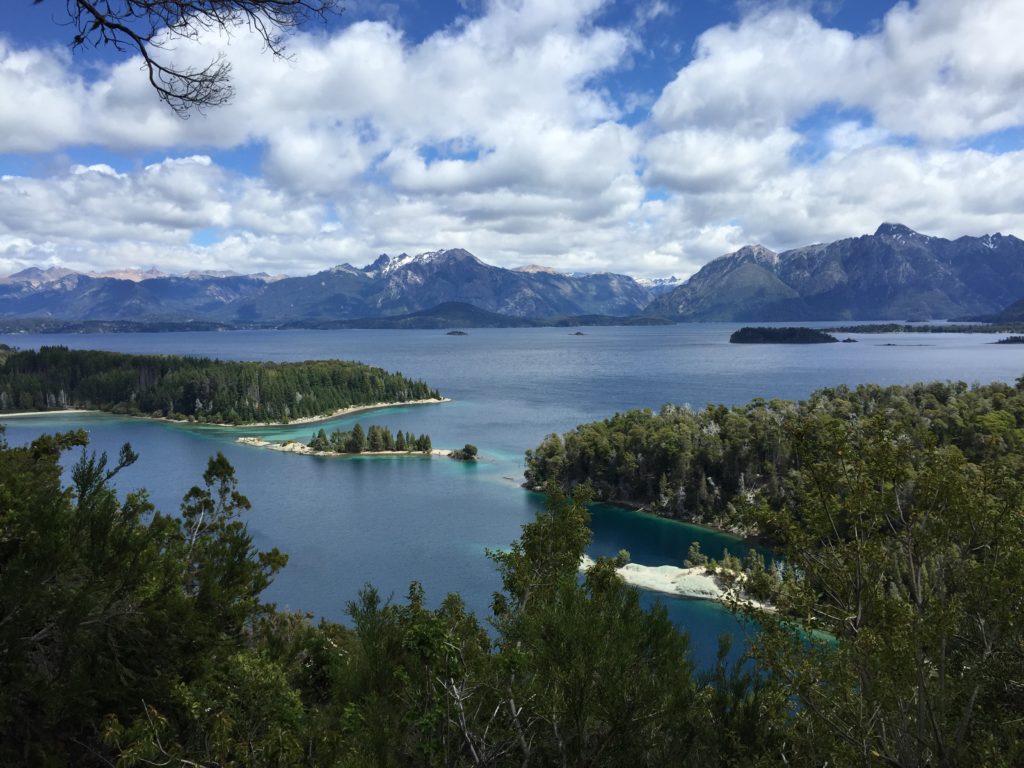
{"x":385,"y":265}
{"x":658,"y":282}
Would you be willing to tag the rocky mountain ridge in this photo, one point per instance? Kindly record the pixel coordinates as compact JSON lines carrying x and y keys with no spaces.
{"x":390,"y":285}
{"x":893,"y":274}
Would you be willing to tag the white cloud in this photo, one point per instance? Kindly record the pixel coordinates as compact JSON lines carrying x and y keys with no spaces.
{"x":502,"y":133}
{"x":940,"y":70}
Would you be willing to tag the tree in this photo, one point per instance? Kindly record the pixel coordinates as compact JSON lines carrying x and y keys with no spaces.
{"x":112,"y":615}
{"x":375,"y":438}
{"x":907,"y":559}
{"x":356,"y":442}
{"x":320,"y":441}
{"x":146,"y":27}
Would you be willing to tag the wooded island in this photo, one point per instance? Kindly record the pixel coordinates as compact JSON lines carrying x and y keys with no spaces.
{"x":759,"y":335}
{"x":195,"y":388}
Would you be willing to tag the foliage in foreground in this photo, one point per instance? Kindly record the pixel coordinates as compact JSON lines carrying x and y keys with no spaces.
{"x":131,"y":637}
{"x":136,"y":638}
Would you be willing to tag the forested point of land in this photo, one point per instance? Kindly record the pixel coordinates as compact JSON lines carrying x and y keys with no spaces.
{"x":700,"y":465}
{"x":194,"y":388}
{"x":760,"y":335}
{"x":135,"y":638}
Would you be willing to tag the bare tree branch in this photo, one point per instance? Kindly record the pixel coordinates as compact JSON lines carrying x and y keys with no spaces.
{"x":145,"y":27}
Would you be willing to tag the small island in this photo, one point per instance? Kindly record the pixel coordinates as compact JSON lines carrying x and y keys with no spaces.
{"x":375,"y":440}
{"x":456,"y":333}
{"x":760,"y":335}
{"x":198,"y":390}
{"x":1011,"y":340}
{"x":467,"y":453}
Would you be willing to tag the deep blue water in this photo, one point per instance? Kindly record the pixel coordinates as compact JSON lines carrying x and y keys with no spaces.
{"x":346,"y":522}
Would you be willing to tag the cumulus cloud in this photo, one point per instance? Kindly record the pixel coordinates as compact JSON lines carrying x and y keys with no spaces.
{"x":505,"y":133}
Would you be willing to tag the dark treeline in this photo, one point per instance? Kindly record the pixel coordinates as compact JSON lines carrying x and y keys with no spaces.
{"x":373,"y":439}
{"x":133,"y":638}
{"x":696,"y":465}
{"x":762,"y":335}
{"x":194,"y":388}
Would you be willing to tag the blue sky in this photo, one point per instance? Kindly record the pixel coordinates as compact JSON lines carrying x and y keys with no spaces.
{"x":642,"y":137}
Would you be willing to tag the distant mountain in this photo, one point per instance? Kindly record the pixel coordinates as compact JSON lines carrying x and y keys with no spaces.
{"x":404,"y":284}
{"x":80,"y":297}
{"x":452,"y":314}
{"x":530,"y":268}
{"x":659,"y":285}
{"x":1011,"y":314}
{"x":389,"y":286}
{"x":896,"y":273}
{"x":135,"y":275}
{"x":35,"y":276}
{"x":456,"y":314}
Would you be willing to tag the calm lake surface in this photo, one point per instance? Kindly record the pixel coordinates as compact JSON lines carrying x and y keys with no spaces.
{"x":388,"y":521}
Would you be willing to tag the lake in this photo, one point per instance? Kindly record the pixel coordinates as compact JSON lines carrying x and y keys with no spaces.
{"x":387,"y":521}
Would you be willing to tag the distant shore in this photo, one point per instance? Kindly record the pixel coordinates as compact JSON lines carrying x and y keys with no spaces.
{"x":299,"y":421}
{"x":293,"y":446}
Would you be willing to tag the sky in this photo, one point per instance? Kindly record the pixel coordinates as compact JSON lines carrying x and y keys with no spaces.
{"x":642,"y":137}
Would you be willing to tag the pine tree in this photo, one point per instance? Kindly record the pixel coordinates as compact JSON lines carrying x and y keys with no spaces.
{"x":356,"y":442}
{"x":375,"y":439}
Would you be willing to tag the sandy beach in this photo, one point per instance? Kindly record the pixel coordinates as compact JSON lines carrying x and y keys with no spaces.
{"x":336,"y":414}
{"x":47,"y":413}
{"x":248,"y":425}
{"x":694,"y":583}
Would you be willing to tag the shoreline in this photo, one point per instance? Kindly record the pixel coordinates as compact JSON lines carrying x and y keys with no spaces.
{"x":302,"y":420}
{"x":62,"y":412}
{"x":740,"y":534}
{"x":293,"y":446}
{"x":694,"y":583}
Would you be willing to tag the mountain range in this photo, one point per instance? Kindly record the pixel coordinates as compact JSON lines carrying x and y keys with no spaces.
{"x":893,"y":274}
{"x":389,"y":286}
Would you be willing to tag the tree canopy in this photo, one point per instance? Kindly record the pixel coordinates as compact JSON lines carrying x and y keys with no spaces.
{"x":195,"y":388}
{"x":697,"y":465}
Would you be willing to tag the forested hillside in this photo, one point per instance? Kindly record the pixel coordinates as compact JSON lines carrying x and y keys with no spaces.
{"x":696,"y":465}
{"x":194,"y":388}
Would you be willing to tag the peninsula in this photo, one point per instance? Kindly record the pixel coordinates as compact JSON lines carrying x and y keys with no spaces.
{"x":199,"y":390}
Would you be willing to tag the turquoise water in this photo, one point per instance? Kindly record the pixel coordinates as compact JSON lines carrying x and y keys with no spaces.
{"x":388,"y":521}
